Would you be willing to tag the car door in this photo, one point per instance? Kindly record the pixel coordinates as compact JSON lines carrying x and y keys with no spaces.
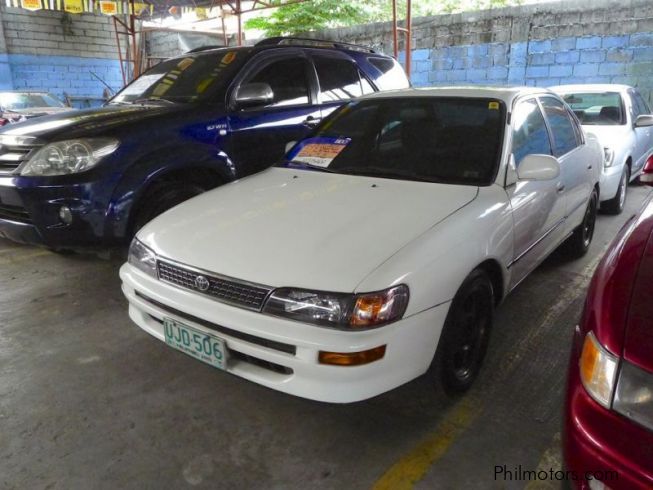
{"x":339,"y":80}
{"x":257,"y":136}
{"x":576,"y":165}
{"x":643,"y":136}
{"x":538,"y":207}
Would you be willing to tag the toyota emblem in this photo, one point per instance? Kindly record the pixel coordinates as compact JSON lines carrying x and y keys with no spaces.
{"x":202,"y":283}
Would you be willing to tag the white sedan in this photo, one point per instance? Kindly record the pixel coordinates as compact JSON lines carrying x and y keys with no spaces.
{"x":621,"y":119}
{"x":378,"y":249}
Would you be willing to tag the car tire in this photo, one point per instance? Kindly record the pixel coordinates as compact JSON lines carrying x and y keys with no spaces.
{"x":617,"y":203}
{"x":465,"y":335}
{"x":580,"y":240}
{"x":161,"y":197}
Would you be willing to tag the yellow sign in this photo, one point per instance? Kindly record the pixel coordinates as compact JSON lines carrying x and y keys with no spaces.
{"x":108,"y":8}
{"x":31,"y":4}
{"x":73,"y":6}
{"x":139,"y":8}
{"x":202,"y":13}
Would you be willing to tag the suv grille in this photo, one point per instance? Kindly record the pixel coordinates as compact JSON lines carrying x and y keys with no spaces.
{"x":226,"y":290}
{"x":11,"y":156}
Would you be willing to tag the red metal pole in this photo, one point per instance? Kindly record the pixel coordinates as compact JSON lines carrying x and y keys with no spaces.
{"x":395,"y":45}
{"x":409,"y":36}
{"x":122,"y":66}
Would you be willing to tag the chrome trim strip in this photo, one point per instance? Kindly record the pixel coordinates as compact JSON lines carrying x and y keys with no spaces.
{"x":546,"y":234}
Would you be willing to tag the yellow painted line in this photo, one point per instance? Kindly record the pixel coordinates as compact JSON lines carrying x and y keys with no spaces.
{"x":413,"y":466}
{"x":23,"y":257}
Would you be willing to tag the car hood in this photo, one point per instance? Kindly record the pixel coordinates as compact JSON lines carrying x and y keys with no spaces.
{"x":88,"y":122}
{"x":609,"y":136}
{"x":303,"y":228}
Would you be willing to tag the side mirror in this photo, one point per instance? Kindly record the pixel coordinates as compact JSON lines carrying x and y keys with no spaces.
{"x":254,"y":94}
{"x":538,"y":167}
{"x":289,"y":145}
{"x":644,"y":121}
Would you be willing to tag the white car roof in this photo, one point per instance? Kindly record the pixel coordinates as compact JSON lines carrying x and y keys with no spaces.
{"x":507,"y":94}
{"x":590,"y":88}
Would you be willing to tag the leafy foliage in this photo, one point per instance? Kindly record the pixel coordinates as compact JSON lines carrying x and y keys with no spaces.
{"x":322,"y":14}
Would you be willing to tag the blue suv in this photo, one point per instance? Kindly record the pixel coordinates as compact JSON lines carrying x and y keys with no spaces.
{"x":191,"y":123}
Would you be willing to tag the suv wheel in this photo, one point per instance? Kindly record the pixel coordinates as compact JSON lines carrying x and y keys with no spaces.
{"x":161,"y":197}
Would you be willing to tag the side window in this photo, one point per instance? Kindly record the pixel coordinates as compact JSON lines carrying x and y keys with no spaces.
{"x":367,"y":86}
{"x":640,"y":103}
{"x":562,"y":127}
{"x":339,"y":79}
{"x":392,"y":74}
{"x":287,"y":78}
{"x":529,"y":134}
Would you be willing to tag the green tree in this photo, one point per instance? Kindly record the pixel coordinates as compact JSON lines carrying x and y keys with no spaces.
{"x":322,"y":14}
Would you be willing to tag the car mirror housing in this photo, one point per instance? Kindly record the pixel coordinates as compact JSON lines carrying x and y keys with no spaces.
{"x":644,"y":121}
{"x":538,"y":167}
{"x":254,"y":94}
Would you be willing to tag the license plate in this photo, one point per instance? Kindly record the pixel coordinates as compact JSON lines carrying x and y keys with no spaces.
{"x":205,"y":347}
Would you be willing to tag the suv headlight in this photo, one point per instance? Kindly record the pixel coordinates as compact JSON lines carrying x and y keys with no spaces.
{"x":142,"y":257}
{"x":608,"y":157}
{"x":350,"y":311}
{"x":69,"y":156}
{"x":634,"y":394}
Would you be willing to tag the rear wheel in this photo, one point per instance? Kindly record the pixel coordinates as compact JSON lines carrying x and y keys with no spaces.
{"x":579,"y":242}
{"x":465,"y":335}
{"x":161,"y":197}
{"x":617,"y":203}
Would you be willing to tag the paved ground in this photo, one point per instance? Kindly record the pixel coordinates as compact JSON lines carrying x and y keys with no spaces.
{"x":88,"y":400}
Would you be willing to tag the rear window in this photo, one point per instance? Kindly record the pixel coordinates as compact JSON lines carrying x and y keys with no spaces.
{"x":434,"y":139}
{"x":392,"y":74}
{"x":597,"y":109}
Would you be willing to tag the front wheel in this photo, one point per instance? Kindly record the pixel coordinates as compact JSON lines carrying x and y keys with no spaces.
{"x":617,"y":203}
{"x":579,"y":242}
{"x":161,"y":197}
{"x":465,"y":335}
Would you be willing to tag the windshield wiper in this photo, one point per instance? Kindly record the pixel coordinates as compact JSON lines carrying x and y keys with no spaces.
{"x":154,"y":100}
{"x":382,"y":172}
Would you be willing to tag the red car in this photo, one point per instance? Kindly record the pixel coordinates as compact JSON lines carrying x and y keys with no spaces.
{"x":608,"y":433}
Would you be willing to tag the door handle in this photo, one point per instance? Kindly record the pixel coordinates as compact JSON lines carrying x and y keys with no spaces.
{"x":311,"y":122}
{"x":589,"y":167}
{"x":560,"y":187}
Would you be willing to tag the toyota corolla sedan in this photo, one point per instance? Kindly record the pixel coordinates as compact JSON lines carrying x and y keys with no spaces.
{"x":378,"y":249}
{"x":609,"y":416}
{"x":620,"y":117}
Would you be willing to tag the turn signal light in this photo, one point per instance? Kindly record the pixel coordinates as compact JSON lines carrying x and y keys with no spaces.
{"x":352,"y":358}
{"x":598,"y":370}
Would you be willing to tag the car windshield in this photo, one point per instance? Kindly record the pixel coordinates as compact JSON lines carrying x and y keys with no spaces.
{"x":16,"y":101}
{"x":434,"y":139}
{"x":194,"y":77}
{"x":597,"y":109}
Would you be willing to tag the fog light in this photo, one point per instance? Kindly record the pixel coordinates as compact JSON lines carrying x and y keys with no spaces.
{"x":352,"y":358}
{"x":65,"y":215}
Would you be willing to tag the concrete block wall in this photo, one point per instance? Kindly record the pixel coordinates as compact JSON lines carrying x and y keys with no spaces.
{"x":57,"y":52}
{"x":162,"y":44}
{"x":581,"y":41}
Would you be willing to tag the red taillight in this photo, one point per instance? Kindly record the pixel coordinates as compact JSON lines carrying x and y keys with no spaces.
{"x":3,"y":121}
{"x":647,"y":172}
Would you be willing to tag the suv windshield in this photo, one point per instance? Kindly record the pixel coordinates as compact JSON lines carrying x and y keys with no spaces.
{"x":435,"y":139}
{"x":17,"y":101}
{"x":594,"y":109}
{"x":187,"y":79}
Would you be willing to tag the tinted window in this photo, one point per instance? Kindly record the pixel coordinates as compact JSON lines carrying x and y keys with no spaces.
{"x":338,"y":79}
{"x":453,"y":140}
{"x":564,"y":136}
{"x":529,"y":136}
{"x":288,"y":81}
{"x":600,"y":108}
{"x":392,"y":74}
{"x":193,"y":77}
{"x":367,"y":86}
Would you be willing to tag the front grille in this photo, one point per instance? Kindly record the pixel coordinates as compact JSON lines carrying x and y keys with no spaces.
{"x":14,"y":213}
{"x":222,"y":289}
{"x":11,"y":156}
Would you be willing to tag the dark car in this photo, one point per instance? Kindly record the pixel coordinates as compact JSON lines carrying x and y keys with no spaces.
{"x":18,"y":106}
{"x":191,"y":123}
{"x":608,"y":437}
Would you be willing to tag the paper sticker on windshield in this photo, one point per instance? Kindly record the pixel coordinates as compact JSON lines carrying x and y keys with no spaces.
{"x":228,"y":58}
{"x":493,"y":105}
{"x":319,"y":152}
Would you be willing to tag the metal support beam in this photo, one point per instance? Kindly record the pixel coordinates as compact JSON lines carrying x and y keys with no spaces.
{"x":407,"y":31}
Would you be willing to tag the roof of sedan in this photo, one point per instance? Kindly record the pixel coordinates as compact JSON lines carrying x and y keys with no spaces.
{"x":507,"y":94}
{"x":591,"y":87}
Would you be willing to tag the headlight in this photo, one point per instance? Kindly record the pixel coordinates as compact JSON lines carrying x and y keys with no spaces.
{"x":69,"y":156}
{"x":634,"y":394}
{"x":142,"y":257}
{"x":598,"y":369}
{"x":352,"y":311}
{"x":608,"y":157}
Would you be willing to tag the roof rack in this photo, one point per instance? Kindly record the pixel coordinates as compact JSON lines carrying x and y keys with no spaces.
{"x":305,"y":41}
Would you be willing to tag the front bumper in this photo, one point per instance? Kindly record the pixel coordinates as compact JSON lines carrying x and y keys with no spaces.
{"x":258,"y":343}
